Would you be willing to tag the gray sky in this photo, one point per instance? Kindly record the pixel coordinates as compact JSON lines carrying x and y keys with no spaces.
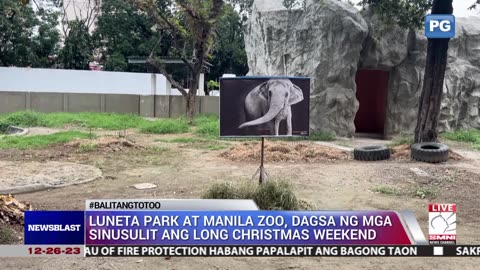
{"x":460,"y":8}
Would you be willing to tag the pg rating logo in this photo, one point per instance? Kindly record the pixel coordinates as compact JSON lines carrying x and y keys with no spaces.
{"x":442,"y":224}
{"x":439,"y":26}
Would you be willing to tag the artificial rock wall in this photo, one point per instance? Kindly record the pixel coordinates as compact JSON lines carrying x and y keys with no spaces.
{"x":330,"y":40}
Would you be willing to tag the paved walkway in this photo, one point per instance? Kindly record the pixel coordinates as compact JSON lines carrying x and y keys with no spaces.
{"x":348,"y":144}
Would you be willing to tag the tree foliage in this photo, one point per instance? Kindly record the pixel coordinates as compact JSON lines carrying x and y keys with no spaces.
{"x":407,"y":14}
{"x":228,"y":54}
{"x":27,"y":37}
{"x":78,"y":46}
{"x":123,"y":31}
{"x":191,"y":24}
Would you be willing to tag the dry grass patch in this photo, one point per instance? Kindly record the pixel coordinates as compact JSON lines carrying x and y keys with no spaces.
{"x":285,"y":152}
{"x":104,"y":144}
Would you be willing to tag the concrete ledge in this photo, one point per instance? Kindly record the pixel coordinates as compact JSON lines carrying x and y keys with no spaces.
{"x":20,"y":131}
{"x":41,"y":187}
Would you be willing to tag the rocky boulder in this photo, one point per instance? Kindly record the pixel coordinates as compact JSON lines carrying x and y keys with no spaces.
{"x":323,"y":42}
{"x":330,"y":40}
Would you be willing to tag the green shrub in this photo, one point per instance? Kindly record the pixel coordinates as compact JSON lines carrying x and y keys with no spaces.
{"x":24,"y":119}
{"x":110,"y":121}
{"x":204,"y":118}
{"x":468,"y":136}
{"x":471,"y":137}
{"x":276,"y":196}
{"x":272,"y":195}
{"x":210,"y":130}
{"x":213,"y":85}
{"x":224,"y":191}
{"x":3,"y":126}
{"x":207,"y":125}
{"x":165,"y":126}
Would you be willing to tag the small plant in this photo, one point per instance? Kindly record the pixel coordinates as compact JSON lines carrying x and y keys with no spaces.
{"x":212,"y":85}
{"x":122,"y":133}
{"x":85,"y":148}
{"x":401,"y":140}
{"x":387,"y":190}
{"x":424,"y":192}
{"x":272,"y":195}
{"x":91,"y":136}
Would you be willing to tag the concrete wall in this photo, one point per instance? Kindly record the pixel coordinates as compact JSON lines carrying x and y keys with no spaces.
{"x":148,"y":106}
{"x":57,"y":90}
{"x":41,"y":80}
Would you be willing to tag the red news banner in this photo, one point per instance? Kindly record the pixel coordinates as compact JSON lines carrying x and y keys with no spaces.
{"x":237,"y":233}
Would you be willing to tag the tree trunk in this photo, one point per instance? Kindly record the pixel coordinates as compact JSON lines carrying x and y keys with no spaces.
{"x":191,"y":98}
{"x":190,"y":107}
{"x":431,"y":97}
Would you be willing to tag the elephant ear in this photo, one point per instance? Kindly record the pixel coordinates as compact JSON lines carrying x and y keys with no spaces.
{"x":263,"y":91}
{"x":296,"y":95}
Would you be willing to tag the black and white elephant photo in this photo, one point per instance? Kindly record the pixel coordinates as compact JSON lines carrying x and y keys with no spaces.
{"x":270,"y":103}
{"x":264,"y":107}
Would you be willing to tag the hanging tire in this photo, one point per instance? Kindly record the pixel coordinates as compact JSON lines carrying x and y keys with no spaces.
{"x":371,"y":153}
{"x":430,"y":152}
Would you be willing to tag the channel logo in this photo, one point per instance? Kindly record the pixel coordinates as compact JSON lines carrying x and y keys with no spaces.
{"x":442,"y":224}
{"x":439,"y":26}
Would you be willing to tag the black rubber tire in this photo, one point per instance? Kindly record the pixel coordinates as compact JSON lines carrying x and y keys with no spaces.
{"x":430,"y":152}
{"x":371,"y":153}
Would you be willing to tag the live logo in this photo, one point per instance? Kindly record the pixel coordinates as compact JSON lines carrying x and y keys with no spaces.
{"x":442,"y":207}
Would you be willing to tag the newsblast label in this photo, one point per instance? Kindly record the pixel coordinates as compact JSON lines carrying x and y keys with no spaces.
{"x":244,"y":228}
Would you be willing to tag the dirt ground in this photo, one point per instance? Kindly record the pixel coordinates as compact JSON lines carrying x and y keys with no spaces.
{"x":180,"y":171}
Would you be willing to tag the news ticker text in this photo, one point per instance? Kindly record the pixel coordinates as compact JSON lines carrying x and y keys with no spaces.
{"x":238,"y":251}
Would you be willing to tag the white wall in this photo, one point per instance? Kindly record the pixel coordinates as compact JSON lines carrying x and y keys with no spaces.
{"x":81,"y":81}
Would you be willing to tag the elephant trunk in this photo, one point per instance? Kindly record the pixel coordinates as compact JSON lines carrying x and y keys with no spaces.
{"x":276,"y":104}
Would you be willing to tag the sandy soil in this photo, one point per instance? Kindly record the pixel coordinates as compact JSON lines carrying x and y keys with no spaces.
{"x":51,"y":173}
{"x":183,"y":172}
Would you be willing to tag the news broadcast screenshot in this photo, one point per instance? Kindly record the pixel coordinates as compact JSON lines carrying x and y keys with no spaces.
{"x":239,"y":134}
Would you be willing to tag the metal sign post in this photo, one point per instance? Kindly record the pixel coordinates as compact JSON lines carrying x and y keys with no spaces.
{"x":261,"y":169}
